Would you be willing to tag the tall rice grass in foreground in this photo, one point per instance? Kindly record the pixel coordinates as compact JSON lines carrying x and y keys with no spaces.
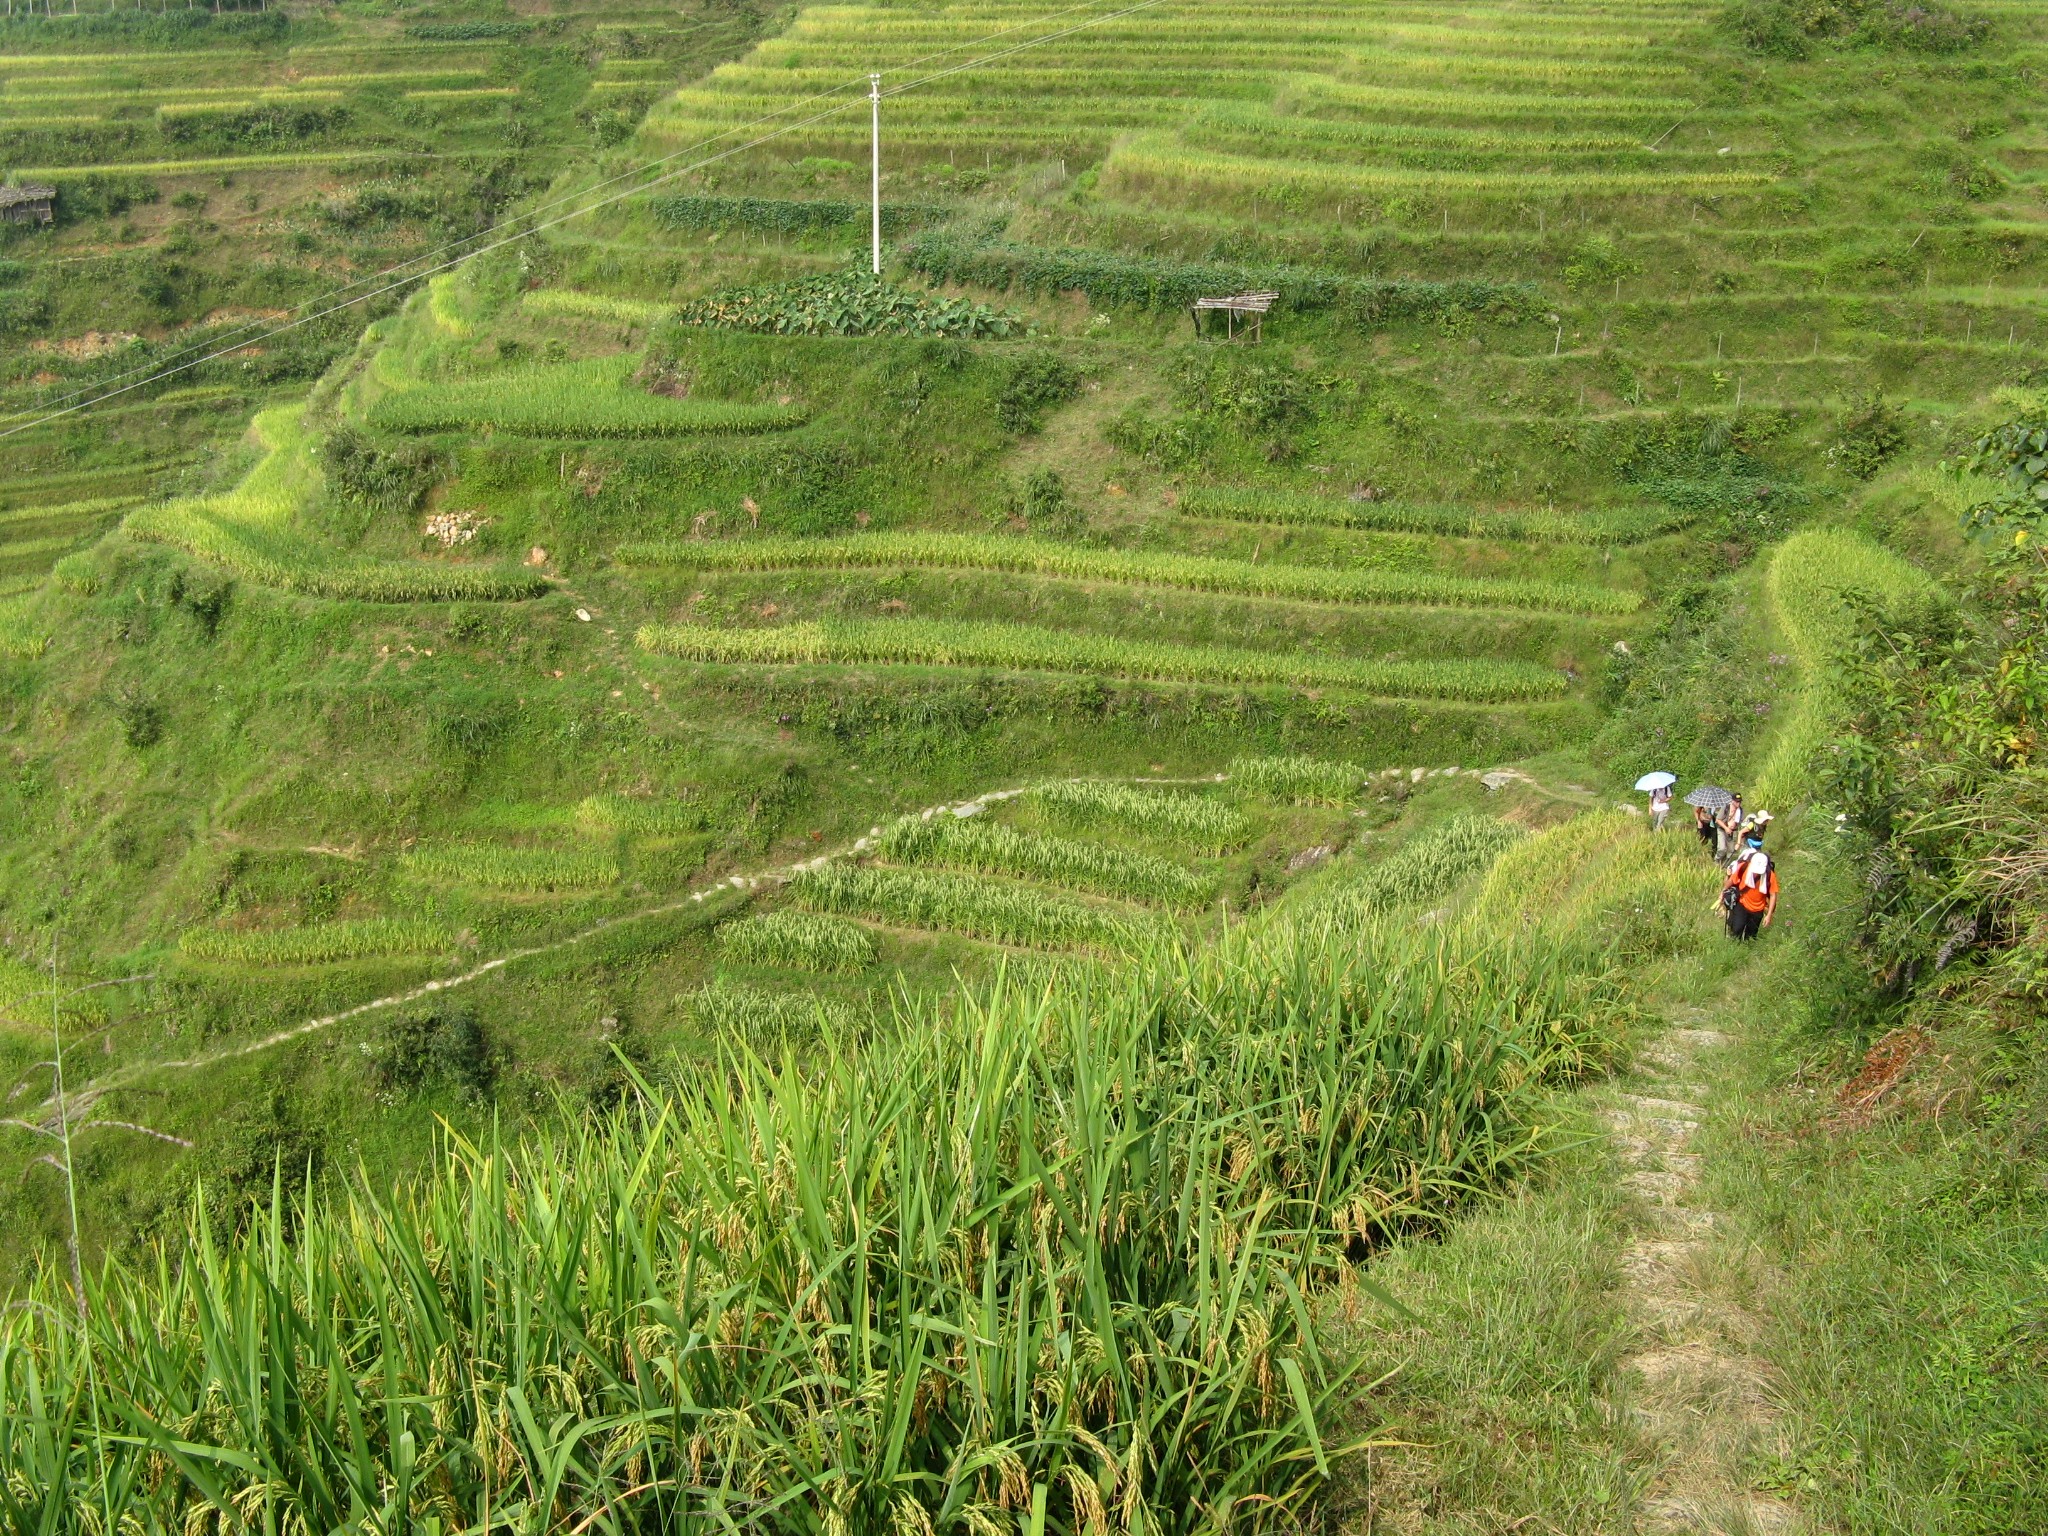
{"x":1039,"y":1263}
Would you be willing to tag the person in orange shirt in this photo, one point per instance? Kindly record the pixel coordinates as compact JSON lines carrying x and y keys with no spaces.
{"x":1751,"y":895}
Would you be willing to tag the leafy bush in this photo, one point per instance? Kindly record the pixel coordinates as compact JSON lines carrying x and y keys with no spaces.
{"x":986,"y":848}
{"x":1041,"y":500}
{"x":1788,"y":29}
{"x":798,"y":941}
{"x":1298,"y":780}
{"x":445,"y":1044}
{"x":359,"y":471}
{"x":851,"y":303}
{"x":1596,"y":261}
{"x":1207,"y":826}
{"x":2016,"y":516}
{"x":1872,"y":430}
{"x":1034,"y":382}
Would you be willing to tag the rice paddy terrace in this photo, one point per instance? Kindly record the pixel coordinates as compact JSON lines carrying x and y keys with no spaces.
{"x":664,"y":550}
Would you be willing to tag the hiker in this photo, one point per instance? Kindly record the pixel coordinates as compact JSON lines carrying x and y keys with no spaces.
{"x":1660,"y":806}
{"x":1728,"y":826}
{"x":1751,"y":894}
{"x":1703,"y":824}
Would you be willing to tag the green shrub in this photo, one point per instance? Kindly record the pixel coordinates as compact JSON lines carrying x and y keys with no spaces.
{"x":798,"y":941}
{"x":1871,"y":432}
{"x":357,"y":470}
{"x":444,"y":1044}
{"x":1033,"y":383}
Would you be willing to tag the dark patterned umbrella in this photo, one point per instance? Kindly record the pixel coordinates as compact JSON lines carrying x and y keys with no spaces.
{"x":1709,"y":797}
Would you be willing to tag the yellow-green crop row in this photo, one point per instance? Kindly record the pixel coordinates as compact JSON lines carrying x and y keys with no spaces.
{"x":188,"y":111}
{"x":1026,"y":648}
{"x":1298,"y":780}
{"x":606,"y":815}
{"x":798,"y":941}
{"x":1482,"y":106}
{"x":257,"y":162}
{"x":493,"y":866}
{"x":1152,"y":165}
{"x":1193,"y":573}
{"x":719,"y":1008}
{"x":463,"y":93}
{"x":1598,"y":525}
{"x":977,"y":907}
{"x":1206,"y":826}
{"x":319,"y":943}
{"x":983,"y":847}
{"x":447,"y":77}
{"x":592,"y":306}
{"x":583,"y":399}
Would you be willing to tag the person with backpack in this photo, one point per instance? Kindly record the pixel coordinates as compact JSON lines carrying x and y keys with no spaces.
{"x":1750,"y":896}
{"x":1728,"y":826}
{"x":1660,"y":806}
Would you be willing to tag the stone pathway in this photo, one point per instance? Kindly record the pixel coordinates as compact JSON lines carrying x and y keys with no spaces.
{"x":1702,"y":1393}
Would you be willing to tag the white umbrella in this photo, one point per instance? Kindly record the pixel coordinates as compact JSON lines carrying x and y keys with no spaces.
{"x":1657,"y":780}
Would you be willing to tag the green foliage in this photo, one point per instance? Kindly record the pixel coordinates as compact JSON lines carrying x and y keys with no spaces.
{"x":1252,"y":392}
{"x":1033,"y":383}
{"x":1298,"y":780}
{"x":979,"y":908}
{"x":1113,"y":280}
{"x":2012,"y":523}
{"x":1789,"y":29}
{"x":141,"y":715}
{"x":1024,"y":647}
{"x":1871,"y":433}
{"x":798,"y":941}
{"x":1042,"y":502}
{"x":23,"y":635}
{"x":359,"y":471}
{"x":467,"y":31}
{"x":445,"y":1044}
{"x":496,"y":867}
{"x":983,"y":847}
{"x":1598,"y":260}
{"x":586,"y":399}
{"x":319,"y":943}
{"x":1162,"y":1167}
{"x":850,"y":303}
{"x":1616,"y":525}
{"x":1427,"y":868}
{"x":1195,"y":573}
{"x":1207,"y":826}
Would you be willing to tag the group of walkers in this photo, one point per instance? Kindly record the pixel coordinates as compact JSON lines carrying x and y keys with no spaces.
{"x":1749,"y":895}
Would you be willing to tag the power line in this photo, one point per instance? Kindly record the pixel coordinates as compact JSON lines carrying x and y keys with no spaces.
{"x":249,"y":332}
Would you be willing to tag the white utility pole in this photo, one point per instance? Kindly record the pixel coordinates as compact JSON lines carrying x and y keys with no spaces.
{"x":875,"y":102}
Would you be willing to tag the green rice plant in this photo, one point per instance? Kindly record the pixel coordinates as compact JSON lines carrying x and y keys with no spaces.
{"x":1477,"y":106}
{"x":981,"y":909}
{"x":219,"y":164}
{"x":798,"y":941}
{"x":1194,"y":573}
{"x":495,"y":867}
{"x":848,"y":1290}
{"x":1298,"y":780}
{"x":1811,"y":575}
{"x":754,"y":1014}
{"x":23,"y":634}
{"x":585,"y":399}
{"x":1602,"y":880}
{"x":1157,"y":165}
{"x":25,"y":992}
{"x":1604,"y":525}
{"x":985,"y":847}
{"x":1206,"y":826}
{"x":593,"y":306}
{"x":319,"y":943}
{"x":1021,"y":647}
{"x":609,"y":815}
{"x":1429,"y":867}
{"x":463,"y":93}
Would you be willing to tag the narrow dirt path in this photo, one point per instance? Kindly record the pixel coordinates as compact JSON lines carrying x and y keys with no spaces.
{"x":1702,"y":1393}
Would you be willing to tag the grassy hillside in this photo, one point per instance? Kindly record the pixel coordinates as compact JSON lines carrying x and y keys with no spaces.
{"x":658,"y":630}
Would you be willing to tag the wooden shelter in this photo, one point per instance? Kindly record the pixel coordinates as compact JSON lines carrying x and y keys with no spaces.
{"x":1251,"y":307}
{"x":27,"y":204}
